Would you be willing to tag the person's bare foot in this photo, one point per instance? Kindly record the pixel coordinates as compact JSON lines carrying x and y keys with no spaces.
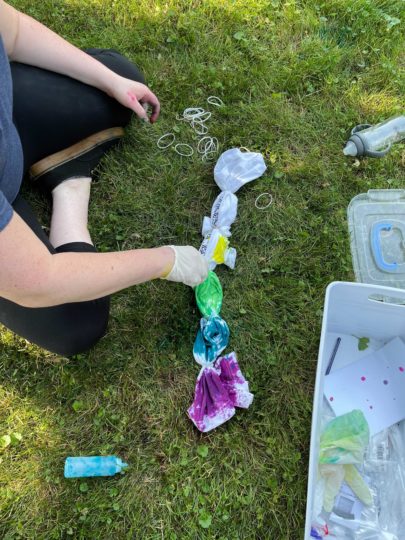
{"x":70,"y":212}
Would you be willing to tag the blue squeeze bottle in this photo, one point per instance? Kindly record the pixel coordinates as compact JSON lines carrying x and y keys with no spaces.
{"x":81,"y":467}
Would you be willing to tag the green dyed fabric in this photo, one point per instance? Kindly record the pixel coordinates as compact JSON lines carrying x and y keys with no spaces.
{"x":345,"y":439}
{"x":209,"y":295}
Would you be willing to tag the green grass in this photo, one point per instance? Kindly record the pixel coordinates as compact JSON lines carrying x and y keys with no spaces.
{"x":296,"y":76}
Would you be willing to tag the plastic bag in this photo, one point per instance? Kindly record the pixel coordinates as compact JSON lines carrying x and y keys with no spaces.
{"x":385,"y":465}
{"x":209,"y":295}
{"x":223,"y":214}
{"x":234,"y":169}
{"x":370,"y":502}
{"x":343,"y":443}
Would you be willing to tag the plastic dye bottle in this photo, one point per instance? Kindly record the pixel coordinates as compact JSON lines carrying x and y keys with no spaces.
{"x":80,"y":467}
{"x":375,"y":141}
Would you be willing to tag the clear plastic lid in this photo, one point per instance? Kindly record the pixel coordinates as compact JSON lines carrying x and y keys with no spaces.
{"x":377,"y":237}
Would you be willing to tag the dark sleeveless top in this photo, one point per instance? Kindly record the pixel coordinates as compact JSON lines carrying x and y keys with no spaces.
{"x":11,"y":156}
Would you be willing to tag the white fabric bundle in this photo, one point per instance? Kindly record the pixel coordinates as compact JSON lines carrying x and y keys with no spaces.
{"x":234,"y":169}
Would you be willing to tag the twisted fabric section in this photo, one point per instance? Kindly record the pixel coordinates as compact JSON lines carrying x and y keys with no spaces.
{"x":209,"y":295}
{"x":223,"y":214}
{"x":215,"y":248}
{"x":211,"y":340}
{"x":217,"y":229}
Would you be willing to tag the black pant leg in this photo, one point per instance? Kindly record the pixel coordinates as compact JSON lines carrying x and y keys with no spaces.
{"x":53,"y":111}
{"x":66,"y":329}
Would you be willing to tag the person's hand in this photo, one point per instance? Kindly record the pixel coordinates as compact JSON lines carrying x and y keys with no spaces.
{"x":135,"y":96}
{"x":189,"y":266}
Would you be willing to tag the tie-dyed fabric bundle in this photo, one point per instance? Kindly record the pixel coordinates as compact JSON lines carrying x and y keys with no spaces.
{"x":220,"y":384}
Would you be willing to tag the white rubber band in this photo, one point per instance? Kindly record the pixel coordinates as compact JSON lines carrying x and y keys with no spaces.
{"x":215,"y":100}
{"x":263,"y":207}
{"x":199,"y":127}
{"x":209,"y":156}
{"x":204,"y":116}
{"x":163,"y":146}
{"x":241,"y":148}
{"x":197,"y":118}
{"x":207,"y":144}
{"x":183,"y":145}
{"x":191,"y":113}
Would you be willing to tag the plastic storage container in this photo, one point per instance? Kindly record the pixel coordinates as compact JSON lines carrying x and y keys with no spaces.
{"x":377,"y":237}
{"x":350,"y":310}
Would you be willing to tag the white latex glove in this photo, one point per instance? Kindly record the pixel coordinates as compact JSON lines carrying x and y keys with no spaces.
{"x":189,"y":267}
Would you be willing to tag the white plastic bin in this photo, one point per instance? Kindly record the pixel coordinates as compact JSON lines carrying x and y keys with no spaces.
{"x":349,"y":310}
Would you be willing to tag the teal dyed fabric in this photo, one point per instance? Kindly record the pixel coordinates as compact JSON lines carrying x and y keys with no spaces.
{"x":211,"y":340}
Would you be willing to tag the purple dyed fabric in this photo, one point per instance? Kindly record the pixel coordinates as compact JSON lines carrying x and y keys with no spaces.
{"x":219,"y":389}
{"x":212,"y":405}
{"x":233,"y":380}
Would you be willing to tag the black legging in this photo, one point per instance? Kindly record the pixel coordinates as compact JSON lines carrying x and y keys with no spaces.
{"x":51,"y":113}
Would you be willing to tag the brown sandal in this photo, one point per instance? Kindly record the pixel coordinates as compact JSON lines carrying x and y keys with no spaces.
{"x":78,"y":160}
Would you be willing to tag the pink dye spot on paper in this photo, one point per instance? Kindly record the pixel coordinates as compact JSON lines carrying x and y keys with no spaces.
{"x":363,"y":378}
{"x":331,"y":398}
{"x":401,"y":369}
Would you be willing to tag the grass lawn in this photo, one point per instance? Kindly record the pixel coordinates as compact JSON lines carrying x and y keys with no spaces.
{"x":295,"y":76}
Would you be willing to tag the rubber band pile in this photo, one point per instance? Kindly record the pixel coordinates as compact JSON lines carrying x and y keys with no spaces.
{"x":221,"y":386}
{"x":197,"y":118}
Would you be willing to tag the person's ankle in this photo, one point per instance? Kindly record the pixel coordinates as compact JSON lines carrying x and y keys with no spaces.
{"x":70,"y":212}
{"x":73,"y":183}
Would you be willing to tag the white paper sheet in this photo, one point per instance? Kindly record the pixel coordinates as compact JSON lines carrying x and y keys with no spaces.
{"x":374,"y":384}
{"x":348,"y":350}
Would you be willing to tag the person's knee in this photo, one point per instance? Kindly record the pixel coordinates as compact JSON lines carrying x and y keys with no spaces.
{"x":118,"y":63}
{"x":85,"y":329}
{"x":125,"y":67}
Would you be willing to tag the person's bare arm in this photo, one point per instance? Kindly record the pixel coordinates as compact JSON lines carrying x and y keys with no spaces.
{"x":30,"y":42}
{"x":32,"y":277}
